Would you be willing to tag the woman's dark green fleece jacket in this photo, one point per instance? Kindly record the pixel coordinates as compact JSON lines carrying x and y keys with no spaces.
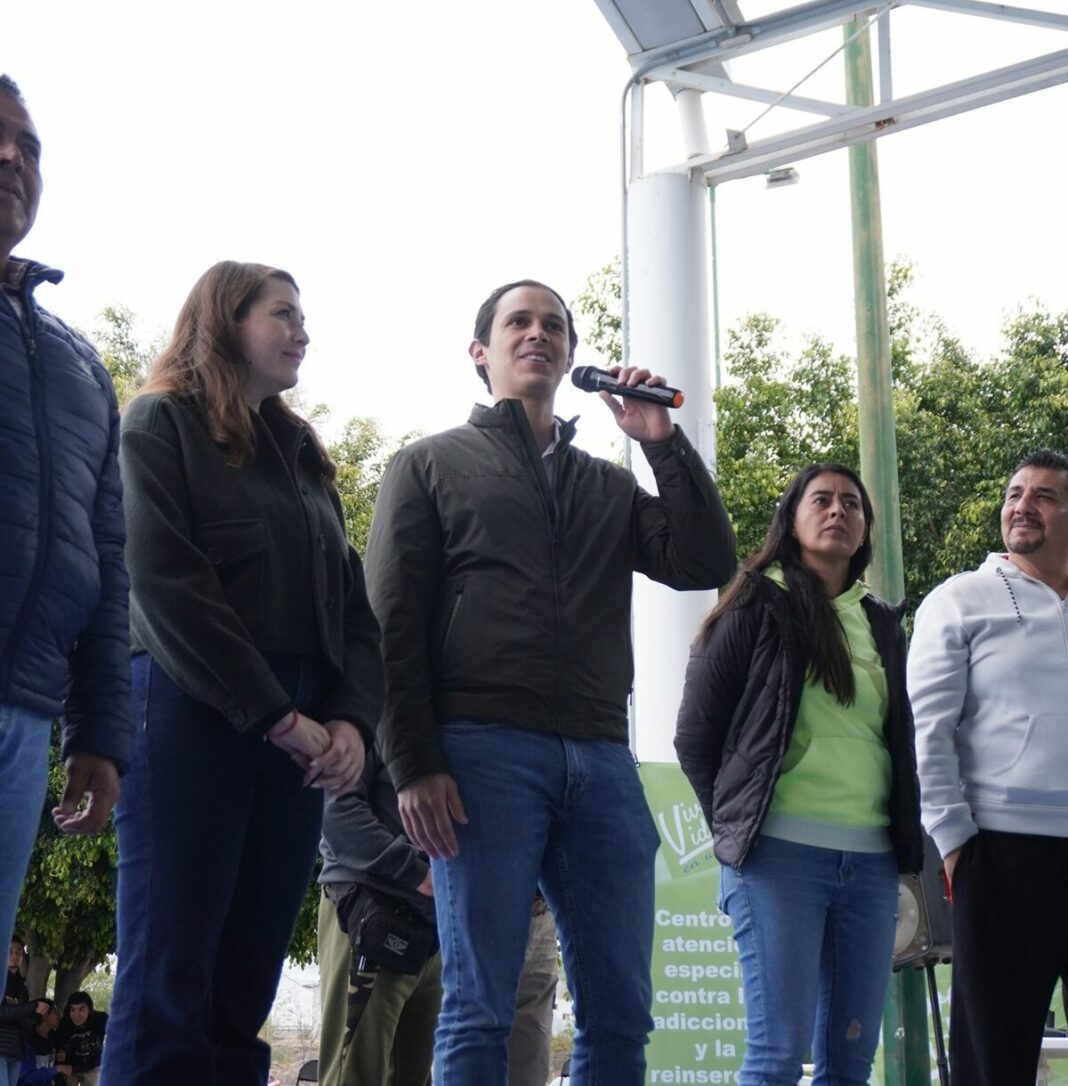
{"x":229,"y":563}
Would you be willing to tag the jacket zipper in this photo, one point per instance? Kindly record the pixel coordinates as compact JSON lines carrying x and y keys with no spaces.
{"x":552,"y":513}
{"x":456,"y":603}
{"x":27,"y":324}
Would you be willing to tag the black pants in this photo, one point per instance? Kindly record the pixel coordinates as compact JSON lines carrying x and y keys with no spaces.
{"x":1010,"y":944}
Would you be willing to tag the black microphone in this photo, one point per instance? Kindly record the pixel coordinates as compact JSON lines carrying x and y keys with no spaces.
{"x":591,"y":379}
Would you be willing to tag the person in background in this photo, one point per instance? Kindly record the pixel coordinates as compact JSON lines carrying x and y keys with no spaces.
{"x":988,"y":677}
{"x":378,"y":1023}
{"x":80,"y":1040}
{"x":64,"y":640}
{"x":17,"y":1019}
{"x":12,"y":1026}
{"x":15,"y":990}
{"x":256,"y":672}
{"x":531,"y":1041}
{"x":796,"y":734}
{"x":39,"y":1068}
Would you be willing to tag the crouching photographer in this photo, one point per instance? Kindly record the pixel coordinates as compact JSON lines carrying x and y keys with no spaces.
{"x":379,"y":964}
{"x":380,"y":971}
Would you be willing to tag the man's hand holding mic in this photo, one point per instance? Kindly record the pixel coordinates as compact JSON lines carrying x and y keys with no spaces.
{"x":639,"y":419}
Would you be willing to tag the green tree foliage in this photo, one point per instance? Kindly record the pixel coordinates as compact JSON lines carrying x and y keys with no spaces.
{"x":124,"y":354}
{"x":778,"y":412}
{"x":962,"y":423}
{"x":599,"y":311}
{"x":67,"y":912}
{"x":361,"y":454}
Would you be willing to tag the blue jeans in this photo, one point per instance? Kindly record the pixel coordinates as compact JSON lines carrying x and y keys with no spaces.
{"x":24,"y":741}
{"x":815,"y":935}
{"x":570,"y":814}
{"x":217,"y":839}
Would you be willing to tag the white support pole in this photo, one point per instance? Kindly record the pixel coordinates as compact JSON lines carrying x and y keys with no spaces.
{"x":637,"y":130}
{"x":668,"y":329}
{"x":692,"y":119}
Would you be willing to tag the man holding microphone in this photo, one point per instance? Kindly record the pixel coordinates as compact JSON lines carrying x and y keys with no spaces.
{"x":500,"y":564}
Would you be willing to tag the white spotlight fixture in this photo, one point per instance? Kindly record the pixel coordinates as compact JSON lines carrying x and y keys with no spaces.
{"x":781,"y":177}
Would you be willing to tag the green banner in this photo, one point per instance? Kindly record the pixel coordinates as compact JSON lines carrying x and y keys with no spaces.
{"x":698,"y":1005}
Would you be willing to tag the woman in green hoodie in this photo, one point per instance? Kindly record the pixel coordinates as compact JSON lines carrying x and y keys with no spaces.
{"x":796,"y":733}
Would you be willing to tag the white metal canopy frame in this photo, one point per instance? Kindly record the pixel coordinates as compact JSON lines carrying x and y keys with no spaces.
{"x":685,"y":44}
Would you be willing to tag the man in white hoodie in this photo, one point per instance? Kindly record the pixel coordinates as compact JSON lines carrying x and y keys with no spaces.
{"x":988,"y":679}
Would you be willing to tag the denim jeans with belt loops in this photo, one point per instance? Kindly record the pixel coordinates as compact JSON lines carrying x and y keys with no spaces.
{"x":815,"y":934}
{"x":571,"y":815}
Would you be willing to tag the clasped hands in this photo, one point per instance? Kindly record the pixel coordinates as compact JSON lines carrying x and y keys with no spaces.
{"x":331,"y":754}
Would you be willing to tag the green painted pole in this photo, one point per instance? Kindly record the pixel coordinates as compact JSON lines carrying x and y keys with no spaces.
{"x":878,"y":444}
{"x":906,"y":1049}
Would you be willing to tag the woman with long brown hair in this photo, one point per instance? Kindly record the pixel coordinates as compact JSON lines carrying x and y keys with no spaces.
{"x":796,"y":734}
{"x":256,"y":675}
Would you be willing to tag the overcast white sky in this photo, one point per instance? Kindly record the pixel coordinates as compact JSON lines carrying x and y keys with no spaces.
{"x":402,"y":159}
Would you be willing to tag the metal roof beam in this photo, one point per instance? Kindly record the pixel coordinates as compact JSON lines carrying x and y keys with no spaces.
{"x":886,"y":117}
{"x":1004,"y":12}
{"x":886,"y":78}
{"x":681,"y":77}
{"x":725,"y":43}
{"x":737,"y":37}
{"x":727,"y":11}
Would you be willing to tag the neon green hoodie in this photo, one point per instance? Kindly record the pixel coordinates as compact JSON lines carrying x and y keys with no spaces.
{"x":836,"y":771}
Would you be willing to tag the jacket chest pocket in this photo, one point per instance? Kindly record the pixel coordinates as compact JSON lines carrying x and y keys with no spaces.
{"x":237,"y":551}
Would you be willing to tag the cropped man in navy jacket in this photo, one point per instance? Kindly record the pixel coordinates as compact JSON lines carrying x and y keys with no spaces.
{"x":63,"y":588}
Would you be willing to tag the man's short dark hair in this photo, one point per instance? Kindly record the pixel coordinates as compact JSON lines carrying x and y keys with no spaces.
{"x":9,"y":87}
{"x":80,"y":999}
{"x":1043,"y":458}
{"x":488,"y":310}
